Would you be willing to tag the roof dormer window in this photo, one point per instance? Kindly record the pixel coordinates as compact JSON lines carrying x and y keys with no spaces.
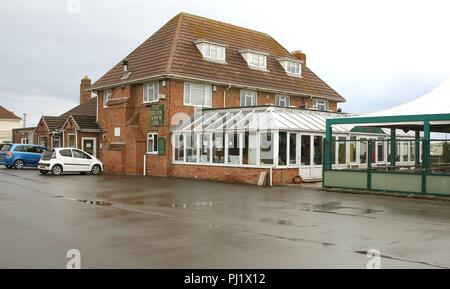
{"x":291,"y":66}
{"x":255,"y":59}
{"x":210,"y":51}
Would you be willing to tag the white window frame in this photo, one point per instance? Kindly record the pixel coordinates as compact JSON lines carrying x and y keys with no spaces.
{"x":107,"y":94}
{"x":74,"y":140}
{"x":94,"y":148}
{"x":154,"y":87}
{"x":154,"y":149}
{"x":321,"y":102}
{"x":285,"y":98}
{"x":207,"y":49}
{"x":117,"y":131}
{"x":54,"y":139}
{"x":246,"y":94}
{"x":24,"y":140}
{"x":207,"y":96}
{"x":293,"y":68}
{"x":257,"y":60}
{"x":40,"y":140}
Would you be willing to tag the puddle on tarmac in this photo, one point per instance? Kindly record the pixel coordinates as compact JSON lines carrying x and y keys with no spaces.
{"x":284,"y":222}
{"x":337,"y":208}
{"x":90,"y":202}
{"x":194,"y":205}
{"x":278,"y":222}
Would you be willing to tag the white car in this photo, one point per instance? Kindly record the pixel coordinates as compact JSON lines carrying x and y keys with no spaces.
{"x":61,"y":160}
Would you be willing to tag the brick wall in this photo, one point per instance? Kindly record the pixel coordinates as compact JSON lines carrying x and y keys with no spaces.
{"x":18,"y":135}
{"x":42,"y":131}
{"x":231,"y":174}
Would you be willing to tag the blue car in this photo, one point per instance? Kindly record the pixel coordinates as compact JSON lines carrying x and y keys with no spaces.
{"x":19,"y":156}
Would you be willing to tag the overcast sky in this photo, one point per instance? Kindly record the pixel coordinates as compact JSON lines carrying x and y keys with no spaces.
{"x":377,"y":54}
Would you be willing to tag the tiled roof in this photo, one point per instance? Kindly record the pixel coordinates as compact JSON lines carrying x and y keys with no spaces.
{"x":86,"y":121}
{"x":87,"y":108}
{"x":171,"y":52}
{"x":54,"y":122}
{"x":6,"y":114}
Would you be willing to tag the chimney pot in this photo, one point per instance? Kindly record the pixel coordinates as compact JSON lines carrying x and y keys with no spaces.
{"x":125,"y":65}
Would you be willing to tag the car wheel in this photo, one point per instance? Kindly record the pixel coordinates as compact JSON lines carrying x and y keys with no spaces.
{"x":57,"y":170}
{"x":43,"y":172}
{"x":96,"y":169}
{"x":19,"y":164}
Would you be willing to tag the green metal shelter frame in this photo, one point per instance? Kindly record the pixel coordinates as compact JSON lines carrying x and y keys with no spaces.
{"x":423,"y":182}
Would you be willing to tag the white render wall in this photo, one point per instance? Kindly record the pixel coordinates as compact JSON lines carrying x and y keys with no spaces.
{"x":6,"y":126}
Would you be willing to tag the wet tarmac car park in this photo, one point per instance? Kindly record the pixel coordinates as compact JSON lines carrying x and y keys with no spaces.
{"x":118,"y":221}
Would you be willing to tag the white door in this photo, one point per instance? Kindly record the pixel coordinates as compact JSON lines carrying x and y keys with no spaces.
{"x":317,"y":156}
{"x":311,"y":156}
{"x":67,"y":159}
{"x":83,"y":160}
{"x":305,"y":156}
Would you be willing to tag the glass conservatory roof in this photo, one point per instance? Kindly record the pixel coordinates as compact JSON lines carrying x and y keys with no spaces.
{"x":261,"y":118}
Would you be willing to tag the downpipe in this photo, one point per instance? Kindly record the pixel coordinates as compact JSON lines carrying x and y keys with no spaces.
{"x":145,"y":165}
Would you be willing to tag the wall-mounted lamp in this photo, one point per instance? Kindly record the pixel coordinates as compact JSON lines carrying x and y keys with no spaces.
{"x":214,"y":88}
{"x":163,"y":83}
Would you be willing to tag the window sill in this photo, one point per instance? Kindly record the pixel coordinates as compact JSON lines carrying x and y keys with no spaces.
{"x":193,"y":105}
{"x":258,"y":68}
{"x":217,"y":61}
{"x":151,"y":153}
{"x":147,"y":103}
{"x":294,"y":75}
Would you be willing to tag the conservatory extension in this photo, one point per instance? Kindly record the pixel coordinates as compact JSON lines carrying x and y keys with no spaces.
{"x":238,"y":144}
{"x":428,"y":118}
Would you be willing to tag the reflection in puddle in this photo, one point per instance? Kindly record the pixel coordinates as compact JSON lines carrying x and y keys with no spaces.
{"x":90,"y":202}
{"x":97,"y":203}
{"x":195,"y":205}
{"x":279,"y":222}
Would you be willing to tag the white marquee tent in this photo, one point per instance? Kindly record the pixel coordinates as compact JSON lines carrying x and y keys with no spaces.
{"x":436,"y":101}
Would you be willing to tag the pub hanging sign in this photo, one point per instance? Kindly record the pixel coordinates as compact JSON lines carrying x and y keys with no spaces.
{"x":157,"y":115}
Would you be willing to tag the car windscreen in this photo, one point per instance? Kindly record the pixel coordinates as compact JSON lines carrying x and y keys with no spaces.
{"x":47,"y":155}
{"x":6,"y":148}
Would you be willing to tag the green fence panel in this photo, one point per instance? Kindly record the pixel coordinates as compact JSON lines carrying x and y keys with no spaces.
{"x":345,"y":179}
{"x":438,"y":185}
{"x":397,"y":182}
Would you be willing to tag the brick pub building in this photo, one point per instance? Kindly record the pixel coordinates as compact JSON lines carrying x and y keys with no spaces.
{"x":205,"y":72}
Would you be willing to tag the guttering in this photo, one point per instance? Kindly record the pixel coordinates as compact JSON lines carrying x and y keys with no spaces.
{"x":181,"y":77}
{"x":120,"y":83}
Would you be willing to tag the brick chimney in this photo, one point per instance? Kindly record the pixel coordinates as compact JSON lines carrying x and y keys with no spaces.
{"x":299,"y":55}
{"x":85,"y":95}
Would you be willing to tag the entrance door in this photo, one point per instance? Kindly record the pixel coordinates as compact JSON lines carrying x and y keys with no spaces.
{"x":317,"y":156}
{"x":305,"y":156}
{"x":89,"y":145}
{"x":311,"y":156}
